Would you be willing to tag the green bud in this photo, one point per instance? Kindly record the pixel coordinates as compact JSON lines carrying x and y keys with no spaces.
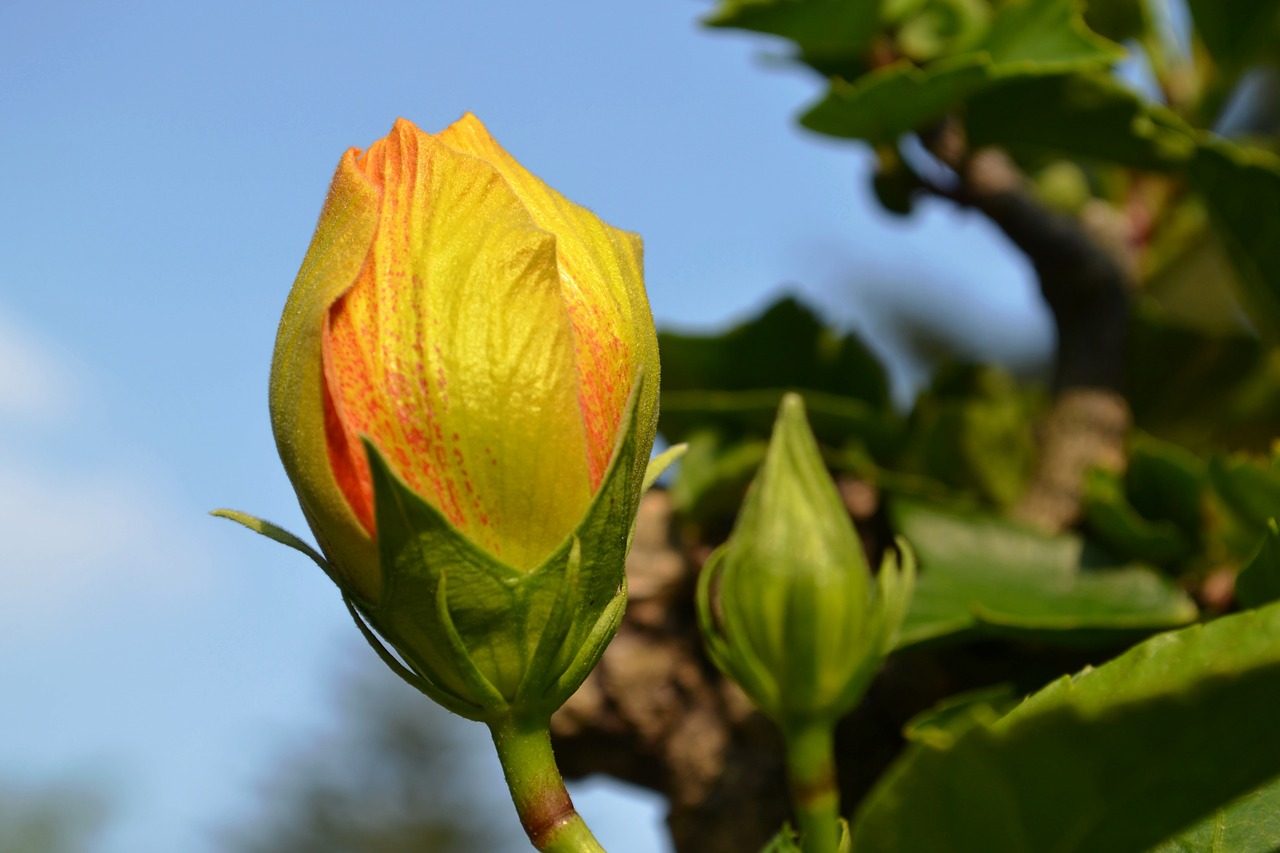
{"x":800,"y":624}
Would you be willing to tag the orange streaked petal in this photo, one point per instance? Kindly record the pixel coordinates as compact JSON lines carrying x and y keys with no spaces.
{"x":602,"y":281}
{"x":454,"y":352}
{"x":341,"y":242}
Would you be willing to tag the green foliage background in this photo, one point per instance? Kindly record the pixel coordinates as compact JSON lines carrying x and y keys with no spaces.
{"x":1169,"y":746}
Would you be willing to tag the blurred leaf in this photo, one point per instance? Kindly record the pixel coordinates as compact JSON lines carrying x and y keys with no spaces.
{"x":1237,"y":32}
{"x":714,"y":474}
{"x":1197,"y":388}
{"x":835,"y":420}
{"x":1089,"y":115}
{"x":896,"y":99}
{"x":981,"y":574}
{"x":1248,"y":493}
{"x":1114,"y":759}
{"x":1251,"y":824}
{"x":1241,"y":188}
{"x":929,"y":29}
{"x":1165,"y":482}
{"x":1190,"y":277}
{"x":972,"y":431}
{"x":787,"y":346}
{"x":734,"y":381}
{"x":1117,"y":20}
{"x":1259,"y":580}
{"x":1026,"y":38}
{"x":1047,"y":36}
{"x":825,"y":31}
{"x":1124,"y":530}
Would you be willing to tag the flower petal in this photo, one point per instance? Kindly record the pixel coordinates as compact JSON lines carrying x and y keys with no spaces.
{"x":343,"y":235}
{"x":453,"y":352}
{"x":601,"y":275}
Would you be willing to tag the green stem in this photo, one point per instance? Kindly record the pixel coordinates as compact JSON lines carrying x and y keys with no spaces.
{"x":815,"y":794}
{"x":546,"y":812}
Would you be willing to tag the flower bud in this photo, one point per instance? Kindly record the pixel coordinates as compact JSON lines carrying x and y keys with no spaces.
{"x":800,"y":625}
{"x":464,"y":396}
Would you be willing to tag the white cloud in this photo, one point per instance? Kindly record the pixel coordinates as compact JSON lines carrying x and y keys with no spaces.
{"x":71,"y":541}
{"x":83,"y":535}
{"x":35,"y":382}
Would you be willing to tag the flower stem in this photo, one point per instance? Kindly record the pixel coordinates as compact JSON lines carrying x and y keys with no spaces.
{"x":815,"y":795}
{"x":546,"y":812}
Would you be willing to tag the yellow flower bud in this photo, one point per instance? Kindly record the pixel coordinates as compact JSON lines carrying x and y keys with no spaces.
{"x":464,"y":394}
{"x":477,"y":328}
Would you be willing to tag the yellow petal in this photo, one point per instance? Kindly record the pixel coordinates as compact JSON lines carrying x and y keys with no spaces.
{"x":454,"y":352}
{"x":601,"y":276}
{"x":332,"y":262}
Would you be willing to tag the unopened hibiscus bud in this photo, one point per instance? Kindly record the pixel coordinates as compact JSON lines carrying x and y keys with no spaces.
{"x":788,"y":609}
{"x":464,"y":396}
{"x":796,"y":618}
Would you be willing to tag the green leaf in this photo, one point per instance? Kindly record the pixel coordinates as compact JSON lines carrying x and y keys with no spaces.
{"x":1251,"y":824}
{"x":1033,"y":37}
{"x":734,"y":381}
{"x":787,"y":346}
{"x":1088,"y":115}
{"x":835,"y":420}
{"x":972,"y":431}
{"x":1259,"y":580}
{"x":826,"y":32}
{"x":983,"y":575}
{"x":1241,"y":188}
{"x":714,"y":475}
{"x":1248,"y":494}
{"x":1124,"y":530}
{"x":1117,"y":20}
{"x":924,"y":30}
{"x":1165,"y":482}
{"x":896,"y":99}
{"x":1198,"y":388}
{"x":1045,"y":36}
{"x":1113,"y":760}
{"x":1238,"y":32}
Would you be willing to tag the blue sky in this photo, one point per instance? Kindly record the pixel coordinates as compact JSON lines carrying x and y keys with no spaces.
{"x":165,"y":166}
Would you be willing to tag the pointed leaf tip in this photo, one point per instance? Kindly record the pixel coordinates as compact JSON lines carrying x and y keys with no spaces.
{"x":273,"y":532}
{"x":659,"y":464}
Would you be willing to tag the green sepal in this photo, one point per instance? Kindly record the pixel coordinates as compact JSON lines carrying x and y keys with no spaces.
{"x":736,"y":662}
{"x":660,"y":463}
{"x":438,"y":694}
{"x":491,"y":639}
{"x":788,"y":840}
{"x":275,"y":533}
